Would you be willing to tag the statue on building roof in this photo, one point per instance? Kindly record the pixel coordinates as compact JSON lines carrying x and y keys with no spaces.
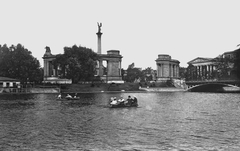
{"x":48,"y":51}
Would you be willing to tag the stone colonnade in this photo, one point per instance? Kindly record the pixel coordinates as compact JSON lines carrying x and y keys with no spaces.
{"x":167,"y":68}
{"x":50,"y":74}
{"x":203,"y":71}
{"x":113,"y":73}
{"x":48,"y":68}
{"x":113,"y":59}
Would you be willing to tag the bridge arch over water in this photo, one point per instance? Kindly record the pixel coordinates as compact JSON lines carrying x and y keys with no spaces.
{"x":214,"y":87}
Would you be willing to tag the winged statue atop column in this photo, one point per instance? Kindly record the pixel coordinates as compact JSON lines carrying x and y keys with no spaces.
{"x":99,"y":27}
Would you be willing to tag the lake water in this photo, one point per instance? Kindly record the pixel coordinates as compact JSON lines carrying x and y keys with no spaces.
{"x":168,"y":121}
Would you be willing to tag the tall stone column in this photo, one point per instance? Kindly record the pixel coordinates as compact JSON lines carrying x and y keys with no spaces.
{"x":99,"y":48}
{"x":99,"y":34}
{"x":99,"y":43}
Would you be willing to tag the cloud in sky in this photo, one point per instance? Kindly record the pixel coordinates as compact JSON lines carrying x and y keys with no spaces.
{"x":141,"y":30}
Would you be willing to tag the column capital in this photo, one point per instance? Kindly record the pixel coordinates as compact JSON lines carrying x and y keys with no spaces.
{"x":99,"y":34}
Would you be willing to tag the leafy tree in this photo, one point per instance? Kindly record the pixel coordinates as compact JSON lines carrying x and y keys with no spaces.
{"x":133,"y":73}
{"x":17,"y":62}
{"x":182,"y":72}
{"x":191,"y":73}
{"x":148,"y":74}
{"x":224,"y":66}
{"x":77,"y":63}
{"x":236,"y":70}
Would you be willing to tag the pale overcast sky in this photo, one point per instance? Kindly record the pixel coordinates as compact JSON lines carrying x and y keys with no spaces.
{"x":140,"y":29}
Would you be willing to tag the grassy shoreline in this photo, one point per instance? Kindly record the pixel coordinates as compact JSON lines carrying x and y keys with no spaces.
{"x":114,"y":88}
{"x":100,"y":87}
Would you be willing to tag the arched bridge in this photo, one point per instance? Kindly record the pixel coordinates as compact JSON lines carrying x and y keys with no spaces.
{"x":213,"y":86}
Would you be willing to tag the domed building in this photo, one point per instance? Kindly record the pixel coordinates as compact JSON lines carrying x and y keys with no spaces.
{"x":167,"y":68}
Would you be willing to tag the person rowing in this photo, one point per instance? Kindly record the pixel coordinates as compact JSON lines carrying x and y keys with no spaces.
{"x":134,"y":101}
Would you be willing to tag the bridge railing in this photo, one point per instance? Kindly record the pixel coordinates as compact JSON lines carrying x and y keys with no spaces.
{"x":197,"y":82}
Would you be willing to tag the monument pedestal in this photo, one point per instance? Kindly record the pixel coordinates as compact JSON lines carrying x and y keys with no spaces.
{"x":113,"y":58}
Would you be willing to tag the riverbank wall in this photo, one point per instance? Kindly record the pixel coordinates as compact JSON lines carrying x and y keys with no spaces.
{"x":30,"y":90}
{"x":162,"y":89}
{"x":100,"y":87}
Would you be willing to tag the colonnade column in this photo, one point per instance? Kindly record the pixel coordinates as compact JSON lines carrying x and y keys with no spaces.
{"x":207,"y":72}
{"x":120,"y":68}
{"x":177,"y":71}
{"x":176,"y":67}
{"x":101,"y":68}
{"x":198,"y":72}
{"x":204,"y":71}
{"x":170,"y":70}
{"x":195,"y":75}
{"x":160,"y":70}
{"x":49,"y":69}
{"x":173,"y":70}
{"x":45,"y":68}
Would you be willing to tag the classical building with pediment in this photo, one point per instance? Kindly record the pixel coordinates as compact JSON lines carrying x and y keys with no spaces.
{"x":206,"y":68}
{"x":202,"y":68}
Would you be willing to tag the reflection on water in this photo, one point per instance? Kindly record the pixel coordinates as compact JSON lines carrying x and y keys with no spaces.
{"x":176,"y":121}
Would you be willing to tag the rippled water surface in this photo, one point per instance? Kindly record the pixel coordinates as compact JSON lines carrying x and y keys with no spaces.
{"x":170,"y":121}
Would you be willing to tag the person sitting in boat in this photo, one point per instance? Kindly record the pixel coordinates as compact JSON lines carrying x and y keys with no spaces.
{"x":75,"y":96}
{"x":68,"y":96}
{"x":59,"y":96}
{"x":110,"y":100}
{"x":129,"y":100}
{"x":114,"y":101}
{"x":134,"y":101}
{"x":121,"y":100}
